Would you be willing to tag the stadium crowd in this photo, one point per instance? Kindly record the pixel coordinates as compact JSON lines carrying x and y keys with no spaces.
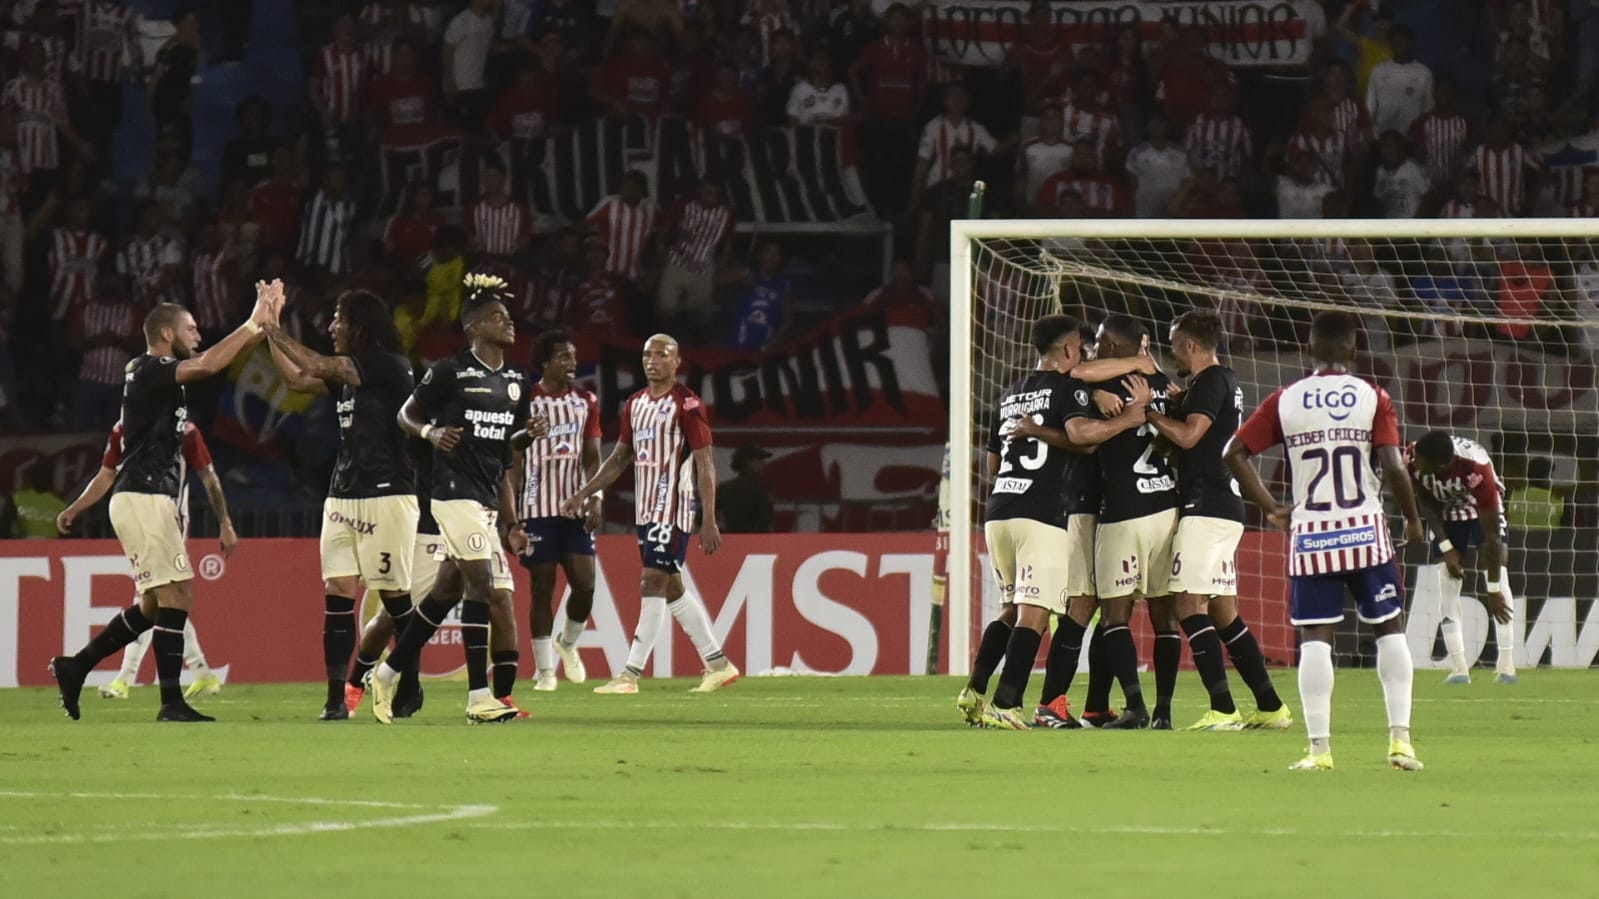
{"x":1407,"y":109}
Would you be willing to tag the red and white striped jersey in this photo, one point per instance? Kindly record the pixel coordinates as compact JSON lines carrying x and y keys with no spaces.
{"x":343,"y":75}
{"x":664,"y":431}
{"x":553,"y":465}
{"x":499,"y":228}
{"x":97,"y":321}
{"x":1224,"y":138}
{"x":213,"y":289}
{"x":106,"y":39}
{"x":41,"y":108}
{"x":74,"y":262}
{"x":10,"y":180}
{"x":1079,"y":121}
{"x":698,"y":233}
{"x":1504,"y":174}
{"x":1330,"y":425}
{"x":196,"y":457}
{"x":1562,"y":183}
{"x":941,"y":136}
{"x":1331,"y":150}
{"x":627,"y":231}
{"x":1468,"y":489}
{"x":142,"y":260}
{"x":380,"y":47}
{"x":1440,"y":142}
{"x":1099,"y":192}
{"x":1351,"y":120}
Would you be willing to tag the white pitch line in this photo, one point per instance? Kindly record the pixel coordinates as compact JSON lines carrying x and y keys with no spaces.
{"x":212,"y":831}
{"x":985,"y":827}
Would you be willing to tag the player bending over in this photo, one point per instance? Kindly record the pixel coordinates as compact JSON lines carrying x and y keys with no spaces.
{"x":1210,"y":522}
{"x":196,"y":456}
{"x":550,"y":471}
{"x":667,"y":440}
{"x":144,"y":497}
{"x":1336,"y":428}
{"x":1031,"y":459}
{"x":1458,"y":490}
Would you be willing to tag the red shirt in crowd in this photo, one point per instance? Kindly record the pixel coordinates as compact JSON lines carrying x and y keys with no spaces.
{"x":524,"y":111}
{"x":892,"y":70}
{"x":275,"y":205}
{"x":398,"y":101}
{"x":727,"y":116}
{"x":641,"y":85}
{"x":410,"y":234}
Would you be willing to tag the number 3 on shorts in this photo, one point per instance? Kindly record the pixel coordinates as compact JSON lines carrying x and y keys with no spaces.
{"x":384,"y":563}
{"x":660,"y":535}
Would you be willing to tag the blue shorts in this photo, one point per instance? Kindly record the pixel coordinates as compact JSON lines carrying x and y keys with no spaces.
{"x":662,"y":547}
{"x":548,"y":539}
{"x":1379,"y":594}
{"x":1467,"y":534}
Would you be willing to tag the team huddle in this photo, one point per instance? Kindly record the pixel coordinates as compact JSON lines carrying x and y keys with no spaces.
{"x":437,"y":484}
{"x":1110,"y":484}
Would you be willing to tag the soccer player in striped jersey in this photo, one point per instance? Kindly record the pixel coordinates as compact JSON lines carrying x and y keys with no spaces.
{"x":1462,"y":499}
{"x":1336,"y":429}
{"x":548,"y":471}
{"x":668,"y":441}
{"x":196,"y":458}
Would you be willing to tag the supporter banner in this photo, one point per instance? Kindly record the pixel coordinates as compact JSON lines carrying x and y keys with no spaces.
{"x":1473,"y":386}
{"x":256,"y":409}
{"x":868,"y":367}
{"x":981,"y":32}
{"x":793,"y":175}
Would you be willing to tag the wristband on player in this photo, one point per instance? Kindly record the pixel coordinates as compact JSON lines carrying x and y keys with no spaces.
{"x":253,"y":326}
{"x":1493,"y":586}
{"x":426,"y":430}
{"x":1445,"y":546}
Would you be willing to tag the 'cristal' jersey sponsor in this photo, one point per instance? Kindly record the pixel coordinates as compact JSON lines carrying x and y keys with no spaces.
{"x":1138,"y":477}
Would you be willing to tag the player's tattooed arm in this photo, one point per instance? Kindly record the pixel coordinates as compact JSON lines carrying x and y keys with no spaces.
{"x":621,"y":457}
{"x":1237,"y":457}
{"x":312,"y":364}
{"x":219,"y":506}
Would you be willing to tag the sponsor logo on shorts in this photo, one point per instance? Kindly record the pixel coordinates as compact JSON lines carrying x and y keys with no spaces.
{"x":356,"y":524}
{"x":1330,"y":540}
{"x":1388,"y":592}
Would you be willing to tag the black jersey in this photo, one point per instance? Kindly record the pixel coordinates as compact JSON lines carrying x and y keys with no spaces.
{"x":488,"y":405}
{"x":155,"y":410}
{"x":421,"y":453}
{"x":373,"y":458}
{"x":1204,"y":484}
{"x":1032,"y":474}
{"x":1137,"y":476}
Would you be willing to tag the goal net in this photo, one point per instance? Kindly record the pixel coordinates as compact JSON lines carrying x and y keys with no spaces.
{"x":1484,"y":328}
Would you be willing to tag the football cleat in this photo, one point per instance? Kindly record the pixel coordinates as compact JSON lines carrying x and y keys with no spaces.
{"x":69,"y":683}
{"x":622,"y":684}
{"x":1501,"y":677}
{"x":334,"y":711}
{"x":510,"y":702}
{"x":1160,"y":719}
{"x":1313,"y":761}
{"x":970,"y":704}
{"x":1057,"y":715}
{"x":1402,"y":756}
{"x":1097,"y":720}
{"x":1130,"y":719}
{"x":489,"y":710}
{"x":117,"y":689}
{"x":571,"y":662}
{"x":1217,"y":721}
{"x":405,"y":708}
{"x":545,"y":683}
{"x":180,"y":711}
{"x":205,"y":685}
{"x":382,"y":698}
{"x":1281,"y":719}
{"x":1456,"y":679}
{"x":716,"y":678}
{"x":352,"y":697}
{"x":995,"y":718}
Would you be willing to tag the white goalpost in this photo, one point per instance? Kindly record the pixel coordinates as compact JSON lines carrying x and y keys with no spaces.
{"x":1486,"y":328}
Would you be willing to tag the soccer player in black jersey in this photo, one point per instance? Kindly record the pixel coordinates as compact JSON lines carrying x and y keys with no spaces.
{"x":469,"y":407}
{"x":1025,"y":519}
{"x":1204,"y":574}
{"x":369,"y":516}
{"x":144,"y":499}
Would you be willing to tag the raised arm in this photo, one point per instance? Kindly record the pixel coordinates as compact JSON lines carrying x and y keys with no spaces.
{"x":214,"y":360}
{"x":219,"y":505}
{"x":93,"y":492}
{"x":705,"y":474}
{"x":312,"y":364}
{"x":293,"y":375}
{"x":1110,"y":369}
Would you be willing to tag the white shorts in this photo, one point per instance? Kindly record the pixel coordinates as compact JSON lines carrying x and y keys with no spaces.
{"x":147,"y":525}
{"x":469,"y":529}
{"x":372,"y":538}
{"x":1029,"y":562}
{"x":437,"y":553}
{"x":1080,"y":554}
{"x":425,"y":564}
{"x":1203,"y":551}
{"x":1134,"y":556}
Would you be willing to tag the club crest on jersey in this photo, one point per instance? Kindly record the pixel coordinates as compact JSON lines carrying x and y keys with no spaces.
{"x":642,"y":456}
{"x":691,"y":403}
{"x":513,"y":390}
{"x":563,"y":449}
{"x":1082,"y":397}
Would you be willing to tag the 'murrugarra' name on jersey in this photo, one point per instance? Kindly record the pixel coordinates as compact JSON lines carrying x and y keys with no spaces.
{"x":488,"y":405}
{"x":1032,"y":475}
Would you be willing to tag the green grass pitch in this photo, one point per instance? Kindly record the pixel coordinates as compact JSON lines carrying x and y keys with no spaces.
{"x":794,"y":787}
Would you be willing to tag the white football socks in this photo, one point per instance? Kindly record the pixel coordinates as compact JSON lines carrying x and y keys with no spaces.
{"x":1508,"y":635}
{"x":1315,"y":693}
{"x":1449,"y":609}
{"x":1397,"y":672}
{"x":691,"y":617}
{"x":543,"y":654}
{"x":133,"y":657}
{"x":651,"y":621}
{"x":572,"y":631}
